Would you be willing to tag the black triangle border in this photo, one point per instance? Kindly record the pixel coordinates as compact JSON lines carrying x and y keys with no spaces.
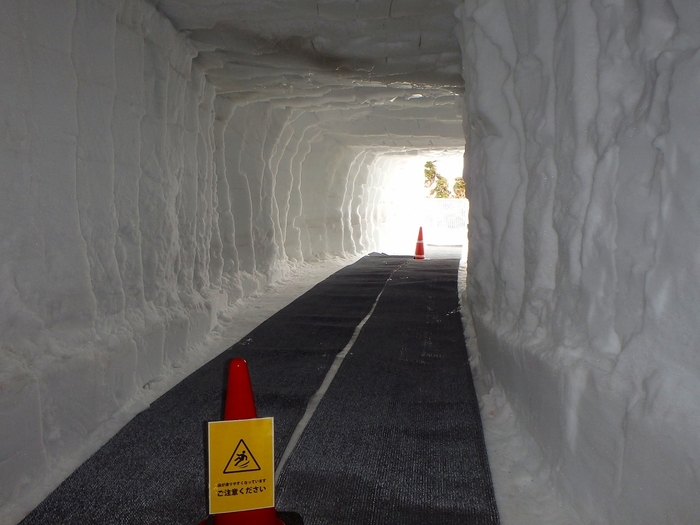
{"x":251,"y":457}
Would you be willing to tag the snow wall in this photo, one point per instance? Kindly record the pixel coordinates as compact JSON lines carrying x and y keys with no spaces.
{"x":137,"y":206}
{"x":584,"y":266}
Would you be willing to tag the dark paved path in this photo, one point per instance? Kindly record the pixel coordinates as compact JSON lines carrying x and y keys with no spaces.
{"x":396,"y":439}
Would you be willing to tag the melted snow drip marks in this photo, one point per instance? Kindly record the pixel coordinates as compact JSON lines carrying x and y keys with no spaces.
{"x":227,"y":252}
{"x":241,"y":190}
{"x":574,"y":391}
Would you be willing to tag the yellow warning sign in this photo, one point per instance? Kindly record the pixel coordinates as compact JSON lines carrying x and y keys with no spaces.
{"x":241,"y":465}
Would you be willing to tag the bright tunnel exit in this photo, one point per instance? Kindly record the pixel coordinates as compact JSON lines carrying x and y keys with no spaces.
{"x":406,"y":204}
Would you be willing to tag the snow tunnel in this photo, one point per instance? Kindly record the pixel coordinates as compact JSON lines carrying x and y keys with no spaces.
{"x":164,"y":160}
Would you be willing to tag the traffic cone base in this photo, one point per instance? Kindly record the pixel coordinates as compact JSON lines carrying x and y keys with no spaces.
{"x":420,"y":251}
{"x":286,"y":518}
{"x":249,"y":517}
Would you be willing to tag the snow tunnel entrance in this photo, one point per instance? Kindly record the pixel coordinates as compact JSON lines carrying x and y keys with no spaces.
{"x":407,"y":203}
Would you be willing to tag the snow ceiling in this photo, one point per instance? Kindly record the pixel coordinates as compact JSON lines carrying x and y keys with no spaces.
{"x":396,"y":64}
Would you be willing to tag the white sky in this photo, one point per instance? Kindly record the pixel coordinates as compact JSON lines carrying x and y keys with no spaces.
{"x":404,"y":192}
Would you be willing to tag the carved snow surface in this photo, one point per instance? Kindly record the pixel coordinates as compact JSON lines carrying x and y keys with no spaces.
{"x":584,"y":235}
{"x":165,"y":161}
{"x":154,"y":178}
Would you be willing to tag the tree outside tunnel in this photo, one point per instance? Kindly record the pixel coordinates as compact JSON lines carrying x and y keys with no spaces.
{"x":407,"y":204}
{"x":439,"y":185}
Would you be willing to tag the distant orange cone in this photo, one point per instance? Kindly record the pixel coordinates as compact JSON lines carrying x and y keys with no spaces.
{"x":420,"y":251}
{"x":241,"y":405}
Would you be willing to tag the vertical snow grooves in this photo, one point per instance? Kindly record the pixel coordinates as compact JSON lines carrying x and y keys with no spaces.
{"x":604,"y":118}
{"x":140,"y":206}
{"x":316,"y":399}
{"x":85,"y":244}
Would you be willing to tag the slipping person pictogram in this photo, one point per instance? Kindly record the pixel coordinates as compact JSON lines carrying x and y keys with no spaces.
{"x":242,"y":460}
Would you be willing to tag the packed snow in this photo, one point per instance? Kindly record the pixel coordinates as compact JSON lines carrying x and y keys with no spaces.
{"x":173,"y":172}
{"x":582,"y":122}
{"x":141,"y":204}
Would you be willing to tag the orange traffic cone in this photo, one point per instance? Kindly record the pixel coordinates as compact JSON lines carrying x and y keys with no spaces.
{"x":241,"y":405}
{"x":420,"y":252}
{"x":239,"y":392}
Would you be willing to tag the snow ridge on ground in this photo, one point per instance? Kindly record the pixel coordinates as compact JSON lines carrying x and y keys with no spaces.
{"x":526,"y":491}
{"x":233,"y":324}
